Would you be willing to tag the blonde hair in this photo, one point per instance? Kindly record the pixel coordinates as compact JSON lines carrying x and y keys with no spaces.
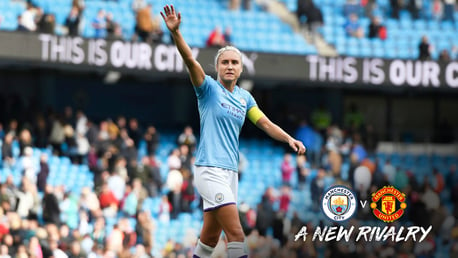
{"x":227,"y":48}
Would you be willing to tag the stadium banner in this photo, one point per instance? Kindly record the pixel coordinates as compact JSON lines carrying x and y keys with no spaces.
{"x":136,"y":58}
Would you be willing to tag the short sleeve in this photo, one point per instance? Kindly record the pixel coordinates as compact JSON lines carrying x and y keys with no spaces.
{"x":203,"y":88}
{"x":251,"y":102}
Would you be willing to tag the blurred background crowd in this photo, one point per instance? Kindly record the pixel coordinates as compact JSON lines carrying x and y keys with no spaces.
{"x":407,"y":29}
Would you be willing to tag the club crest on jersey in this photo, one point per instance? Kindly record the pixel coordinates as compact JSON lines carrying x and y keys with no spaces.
{"x":243,"y":102}
{"x":338,"y":203}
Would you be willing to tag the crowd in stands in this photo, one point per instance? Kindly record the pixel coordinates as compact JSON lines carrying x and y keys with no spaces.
{"x":38,"y":219}
{"x":309,"y":13}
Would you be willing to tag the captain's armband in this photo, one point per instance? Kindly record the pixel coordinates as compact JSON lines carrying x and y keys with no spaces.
{"x":254,"y":114}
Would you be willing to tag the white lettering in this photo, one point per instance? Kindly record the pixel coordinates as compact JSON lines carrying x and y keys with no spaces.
{"x":248,"y":61}
{"x":379,"y":234}
{"x":363,"y":203}
{"x":302,"y":233}
{"x":100,"y":56}
{"x":116,"y":55}
{"x":413,"y":73}
{"x":412,"y":231}
{"x":350,"y":72}
{"x":58,"y":49}
{"x":376,"y":69}
{"x":451,"y":75}
{"x":431,"y":71}
{"x":327,"y":70}
{"x":313,"y":67}
{"x":331,"y":234}
{"x":163,"y":58}
{"x":424,"y":233}
{"x":45,"y":39}
{"x":318,"y":233}
{"x":363,"y":231}
{"x":397,"y":72}
{"x":391,"y":233}
{"x":399,"y":236}
{"x":77,"y":56}
{"x":345,"y":233}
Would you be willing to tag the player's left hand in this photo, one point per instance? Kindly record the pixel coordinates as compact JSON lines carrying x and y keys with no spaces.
{"x":297,"y":146}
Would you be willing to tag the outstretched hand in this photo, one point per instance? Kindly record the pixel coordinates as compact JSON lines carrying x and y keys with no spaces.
{"x":297,"y":146}
{"x":172,"y":20}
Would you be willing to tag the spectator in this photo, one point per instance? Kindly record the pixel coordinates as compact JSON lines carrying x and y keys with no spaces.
{"x":187,"y":137}
{"x":287,"y":169}
{"x":438,"y":181}
{"x":151,"y":137}
{"x":47,"y":24}
{"x":449,"y":10}
{"x":395,"y":7}
{"x":415,"y":6}
{"x":148,"y":28}
{"x":187,"y":191}
{"x":40,"y":132}
{"x":424,"y":49}
{"x":51,"y":210}
{"x":317,"y":189}
{"x":353,"y":28}
{"x":137,"y":5}
{"x":216,"y":38}
{"x":284,"y":199}
{"x":43,"y":174}
{"x":110,"y":25}
{"x":376,"y":29}
{"x":72,"y":22}
{"x":7,"y":150}
{"x":302,"y":171}
{"x":185,"y":157}
{"x":173,"y":160}
{"x":25,"y":140}
{"x":57,"y":135}
{"x":437,"y":9}
{"x":135,"y":131}
{"x":164,"y":209}
{"x":314,"y":21}
{"x":358,"y":148}
{"x":228,"y":35}
{"x":28,"y":165}
{"x":444,"y":56}
{"x":148,"y":171}
{"x":27,"y":19}
{"x":234,"y":4}
{"x":80,"y":4}
{"x":99,"y":24}
{"x":265,"y":214}
{"x":303,"y":9}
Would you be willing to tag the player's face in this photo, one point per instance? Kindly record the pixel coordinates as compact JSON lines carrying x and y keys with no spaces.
{"x":229,"y":66}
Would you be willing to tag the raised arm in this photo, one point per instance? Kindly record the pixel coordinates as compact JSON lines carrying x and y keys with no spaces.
{"x":258,"y":118}
{"x":173,"y":21}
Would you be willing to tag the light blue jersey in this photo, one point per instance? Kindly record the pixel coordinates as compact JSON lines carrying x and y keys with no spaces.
{"x":222,"y":114}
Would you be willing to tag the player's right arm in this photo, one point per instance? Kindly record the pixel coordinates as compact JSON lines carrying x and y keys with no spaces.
{"x":173,"y":20}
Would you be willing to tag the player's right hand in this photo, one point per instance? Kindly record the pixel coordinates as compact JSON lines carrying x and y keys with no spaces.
{"x":172,"y":20}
